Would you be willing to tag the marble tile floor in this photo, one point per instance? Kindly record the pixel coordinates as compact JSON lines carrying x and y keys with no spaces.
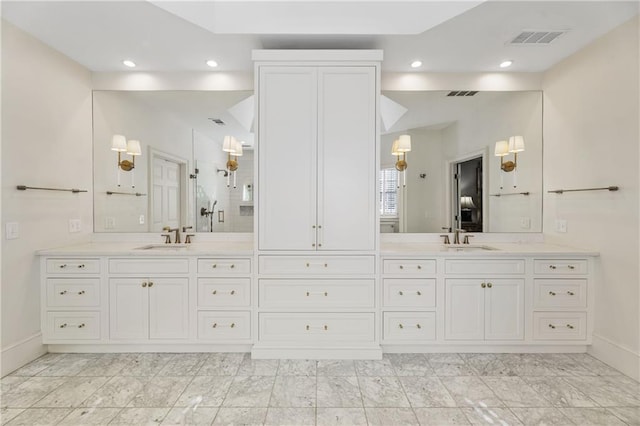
{"x":400,"y":389}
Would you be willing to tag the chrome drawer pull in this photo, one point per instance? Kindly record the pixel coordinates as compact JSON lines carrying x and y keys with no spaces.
{"x":81,"y":325}
{"x":552,"y":266}
{"x":418,"y":293}
{"x":400,"y":326}
{"x":571,"y":267}
{"x":63,"y":292}
{"x":325,"y":327}
{"x":144,"y":284}
{"x":489,"y":285}
{"x":552,"y":293}
{"x":401,"y":293}
{"x":63,"y":266}
{"x":81,"y":292}
{"x":483,"y":285}
{"x":552,"y":326}
{"x":232,"y":292}
{"x":232,"y":266}
{"x":418,"y":326}
{"x":150,"y":284}
{"x":63,"y":325}
{"x":570,"y":326}
{"x":570,"y":293}
{"x":419,"y":267}
{"x":317,"y":264}
{"x":214,"y":266}
{"x":401,"y":267}
{"x":81,"y":266}
{"x":321,"y":293}
{"x":215,"y":325}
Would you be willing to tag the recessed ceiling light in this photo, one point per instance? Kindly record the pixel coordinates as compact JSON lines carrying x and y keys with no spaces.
{"x":129,"y":63}
{"x":212,"y":63}
{"x":416,"y":64}
{"x":506,"y":64}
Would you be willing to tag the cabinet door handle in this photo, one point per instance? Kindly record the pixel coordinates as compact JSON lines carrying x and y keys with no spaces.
{"x":63,"y":325}
{"x":63,"y":292}
{"x":401,"y":293}
{"x":572,"y":267}
{"x":552,"y":326}
{"x":418,"y":326}
{"x":483,"y":285}
{"x":64,"y":265}
{"x":570,"y":293}
{"x":552,"y":266}
{"x":489,"y":285}
{"x":81,"y":292}
{"x":144,"y":284}
{"x":232,"y":292}
{"x":81,"y":266}
{"x":570,"y":326}
{"x":150,"y":284}
{"x":322,"y":293}
{"x":418,"y":293}
{"x":552,"y":293}
{"x":81,"y":325}
{"x":308,"y":264}
{"x":216,"y":325}
{"x":325,"y":327}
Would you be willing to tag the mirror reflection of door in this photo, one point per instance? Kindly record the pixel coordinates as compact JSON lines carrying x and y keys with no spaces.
{"x":166,"y":197}
{"x":467,"y":195}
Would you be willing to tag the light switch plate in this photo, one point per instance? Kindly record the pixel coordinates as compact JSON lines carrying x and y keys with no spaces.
{"x":561,"y":225}
{"x":12,"y":230}
{"x":75,"y":225}
{"x":141,"y":219}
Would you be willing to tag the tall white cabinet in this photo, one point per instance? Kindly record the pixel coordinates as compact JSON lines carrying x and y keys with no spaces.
{"x":317,"y":146}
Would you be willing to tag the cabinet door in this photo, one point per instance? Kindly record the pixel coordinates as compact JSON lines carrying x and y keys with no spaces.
{"x":504,"y":309}
{"x":169,"y":308}
{"x":464,"y":309}
{"x":287,"y":158}
{"x":347,"y":158}
{"x":129,"y":308}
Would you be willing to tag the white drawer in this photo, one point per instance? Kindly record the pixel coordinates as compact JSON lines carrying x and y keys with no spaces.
{"x":73,"y":266}
{"x":559,"y":325}
{"x":166,"y":265}
{"x":73,"y":292}
{"x":312,"y":328}
{"x":213,"y":325}
{"x":73,"y":325}
{"x":409,"y":326}
{"x":409,"y":266}
{"x":293,"y":293}
{"x":405,"y":292}
{"x":560,"y":293}
{"x":560,"y":266}
{"x":316,"y":265}
{"x":224,"y":267}
{"x":488,"y":267}
{"x":224,"y":292}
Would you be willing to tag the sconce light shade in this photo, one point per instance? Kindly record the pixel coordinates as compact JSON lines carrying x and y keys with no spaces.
{"x":502,"y":148}
{"x":229,"y":144}
{"x":516,"y":144}
{"x":404,"y":143}
{"x":466,"y":202}
{"x":238,"y":151}
{"x":133,"y":147}
{"x":394,"y":148}
{"x":119,"y":143}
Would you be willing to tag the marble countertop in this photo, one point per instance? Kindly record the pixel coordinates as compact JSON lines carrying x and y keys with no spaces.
{"x":484,"y":249}
{"x":218,"y":248}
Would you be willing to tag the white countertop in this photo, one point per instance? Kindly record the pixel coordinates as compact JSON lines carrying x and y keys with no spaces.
{"x":218,"y":248}
{"x":493,"y":249}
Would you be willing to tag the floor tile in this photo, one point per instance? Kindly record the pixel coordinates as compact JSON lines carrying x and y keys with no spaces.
{"x":221,"y":364}
{"x":6,"y":414}
{"x":31,"y":391}
{"x":471,"y":391}
{"x":558,"y":392}
{"x":591,"y":417}
{"x":40,"y":416}
{"x":541,"y":416}
{"x":9,"y":383}
{"x":90,"y":416}
{"x":564,"y":365}
{"x":117,"y":392}
{"x":487,"y":365}
{"x":240,"y":416}
{"x":297,"y":367}
{"x":341,"y":417}
{"x":624,"y":383}
{"x":390,"y":416}
{"x":205,"y":391}
{"x":146,"y":365}
{"x":294,"y":391}
{"x":491,"y":416}
{"x":183,"y":365}
{"x":605,"y":393}
{"x":258,"y":367}
{"x":380,"y":367}
{"x":444,"y":358}
{"x":159,"y":392}
{"x":515,"y":392}
{"x":594,"y":366}
{"x":290,"y":417}
{"x":38,"y":365}
{"x":336,"y":391}
{"x":382,"y":392}
{"x":72,"y":393}
{"x":426,"y":392}
{"x":140,"y":416}
{"x":68,"y":366}
{"x":251,"y":391}
{"x":441,"y":416}
{"x":108,"y":365}
{"x":629,"y":415}
{"x":410,"y":365}
{"x":340,"y":367}
{"x":190,"y":416}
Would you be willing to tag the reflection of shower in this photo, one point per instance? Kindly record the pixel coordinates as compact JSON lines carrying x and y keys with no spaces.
{"x":209,"y":213}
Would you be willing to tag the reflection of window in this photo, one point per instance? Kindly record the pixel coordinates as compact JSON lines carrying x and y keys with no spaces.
{"x":389,"y":192}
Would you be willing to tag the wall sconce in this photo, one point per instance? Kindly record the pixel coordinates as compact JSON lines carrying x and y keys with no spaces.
{"x":120,"y":144}
{"x":514,"y":145}
{"x":399,"y":148}
{"x":232,"y":147}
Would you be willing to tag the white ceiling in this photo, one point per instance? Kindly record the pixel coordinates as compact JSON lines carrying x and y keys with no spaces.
{"x":448,"y":36}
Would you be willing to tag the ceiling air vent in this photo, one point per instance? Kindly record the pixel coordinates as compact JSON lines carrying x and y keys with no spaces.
{"x":218,"y":121}
{"x":536,"y":37}
{"x":462,"y":93}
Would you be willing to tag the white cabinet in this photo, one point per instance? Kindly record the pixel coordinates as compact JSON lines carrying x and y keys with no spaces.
{"x":317,"y":158}
{"x":153,"y":308}
{"x":489,"y":309}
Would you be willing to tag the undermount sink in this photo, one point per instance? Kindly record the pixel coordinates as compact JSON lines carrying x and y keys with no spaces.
{"x":174,"y":246}
{"x":465,"y":247}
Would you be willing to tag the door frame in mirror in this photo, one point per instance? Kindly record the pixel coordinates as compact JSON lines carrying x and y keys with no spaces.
{"x":449,"y":184}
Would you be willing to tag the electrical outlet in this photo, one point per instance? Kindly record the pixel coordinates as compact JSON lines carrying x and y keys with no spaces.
{"x":75,"y":225}
{"x":12,"y":230}
{"x":109,"y":222}
{"x":141,"y":219}
{"x":561,"y":225}
{"x":525,"y":222}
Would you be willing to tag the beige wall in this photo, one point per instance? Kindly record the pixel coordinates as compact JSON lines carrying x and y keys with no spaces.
{"x":46,"y":141}
{"x":591,"y":139}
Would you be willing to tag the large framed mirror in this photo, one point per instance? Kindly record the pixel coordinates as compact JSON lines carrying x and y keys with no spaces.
{"x":159,"y":161}
{"x":475,"y":162}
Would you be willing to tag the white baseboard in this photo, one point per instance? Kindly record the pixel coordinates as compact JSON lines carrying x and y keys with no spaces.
{"x":21,"y":353}
{"x":618,"y":357}
{"x":154,"y":347}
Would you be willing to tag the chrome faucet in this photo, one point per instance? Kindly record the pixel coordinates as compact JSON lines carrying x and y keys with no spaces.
{"x":176,"y":230}
{"x":456,"y":235}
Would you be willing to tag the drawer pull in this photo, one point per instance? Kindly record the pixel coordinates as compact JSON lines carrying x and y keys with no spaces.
{"x":418,"y":293}
{"x":400,"y":326}
{"x":81,"y":325}
{"x":144,"y":284}
{"x":232,"y":292}
{"x":571,"y":267}
{"x":419,"y":267}
{"x":81,"y":266}
{"x":316,"y":264}
{"x":232,"y":266}
{"x":552,"y":266}
{"x":325,"y":327}
{"x":150,"y":284}
{"x":81,"y":292}
{"x":63,"y":325}
{"x":552,"y":293}
{"x":483,"y":285}
{"x":570,"y":326}
{"x":322,"y":293}
{"x":418,"y":326}
{"x":401,"y":267}
{"x":215,"y":325}
{"x":214,"y":266}
{"x":552,"y":326}
{"x":489,"y":285}
{"x":64,"y":265}
{"x":570,"y":293}
{"x":63,"y":292}
{"x":401,"y":293}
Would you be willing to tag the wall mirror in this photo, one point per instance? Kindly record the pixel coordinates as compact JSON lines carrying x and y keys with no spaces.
{"x":453,"y":177}
{"x":166,"y":165}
